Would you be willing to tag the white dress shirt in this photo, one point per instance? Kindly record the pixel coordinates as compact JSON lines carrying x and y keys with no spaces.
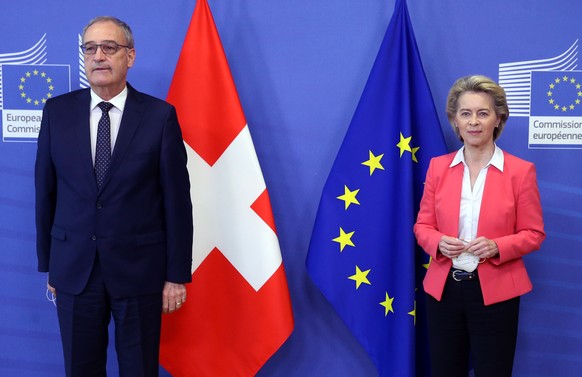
{"x":471,"y":200}
{"x":115,"y":114}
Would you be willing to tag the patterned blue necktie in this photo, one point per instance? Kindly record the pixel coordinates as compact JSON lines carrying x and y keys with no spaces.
{"x":103,"y":145}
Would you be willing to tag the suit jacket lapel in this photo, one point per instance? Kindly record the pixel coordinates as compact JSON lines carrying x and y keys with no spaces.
{"x":80,"y":115}
{"x":453,"y":189}
{"x":130,"y":120}
{"x":494,"y":198}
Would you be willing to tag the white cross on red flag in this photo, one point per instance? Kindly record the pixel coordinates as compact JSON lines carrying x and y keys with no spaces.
{"x":239,"y":310}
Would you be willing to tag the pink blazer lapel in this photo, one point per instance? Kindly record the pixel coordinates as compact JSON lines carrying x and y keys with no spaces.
{"x":449,"y":202}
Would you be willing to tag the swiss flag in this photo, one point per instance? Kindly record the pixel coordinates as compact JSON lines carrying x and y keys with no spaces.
{"x":238,"y":311}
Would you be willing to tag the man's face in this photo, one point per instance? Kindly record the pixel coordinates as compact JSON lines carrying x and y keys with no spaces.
{"x":107,"y":73}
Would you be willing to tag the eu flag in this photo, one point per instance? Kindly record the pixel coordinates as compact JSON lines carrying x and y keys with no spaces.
{"x":29,"y":86}
{"x":363,"y":255}
{"x":556,"y":93}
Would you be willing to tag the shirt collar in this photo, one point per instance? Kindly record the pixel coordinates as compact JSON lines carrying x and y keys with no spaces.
{"x":497,"y":159}
{"x":118,"y":101}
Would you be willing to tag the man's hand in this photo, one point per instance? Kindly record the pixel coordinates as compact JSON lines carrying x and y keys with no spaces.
{"x":51,"y":289}
{"x":173,"y":296}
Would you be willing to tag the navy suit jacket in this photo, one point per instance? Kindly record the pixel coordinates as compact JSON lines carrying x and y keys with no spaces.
{"x":139,"y":224}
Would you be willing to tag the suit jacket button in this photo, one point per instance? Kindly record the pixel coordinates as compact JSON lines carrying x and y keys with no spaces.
{"x":99,"y":206}
{"x":94,"y":237}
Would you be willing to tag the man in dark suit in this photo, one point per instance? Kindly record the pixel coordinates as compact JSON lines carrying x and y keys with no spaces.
{"x":113,"y":210}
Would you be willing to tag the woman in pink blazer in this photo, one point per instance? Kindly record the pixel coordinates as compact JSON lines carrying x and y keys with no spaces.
{"x":479,"y":214}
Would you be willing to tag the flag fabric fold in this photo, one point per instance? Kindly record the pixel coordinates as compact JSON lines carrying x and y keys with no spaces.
{"x":238,"y":310}
{"x":363,"y":255}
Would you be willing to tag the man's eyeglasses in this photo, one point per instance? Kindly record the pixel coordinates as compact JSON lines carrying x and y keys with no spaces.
{"x":108,"y":48}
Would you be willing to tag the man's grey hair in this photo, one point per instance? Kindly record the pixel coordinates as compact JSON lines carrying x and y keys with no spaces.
{"x":124,"y":27}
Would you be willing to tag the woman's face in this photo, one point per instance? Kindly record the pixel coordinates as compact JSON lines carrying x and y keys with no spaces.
{"x":476,"y":119}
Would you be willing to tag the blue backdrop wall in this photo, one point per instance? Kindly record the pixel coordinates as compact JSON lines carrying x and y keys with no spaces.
{"x":300,"y":67}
